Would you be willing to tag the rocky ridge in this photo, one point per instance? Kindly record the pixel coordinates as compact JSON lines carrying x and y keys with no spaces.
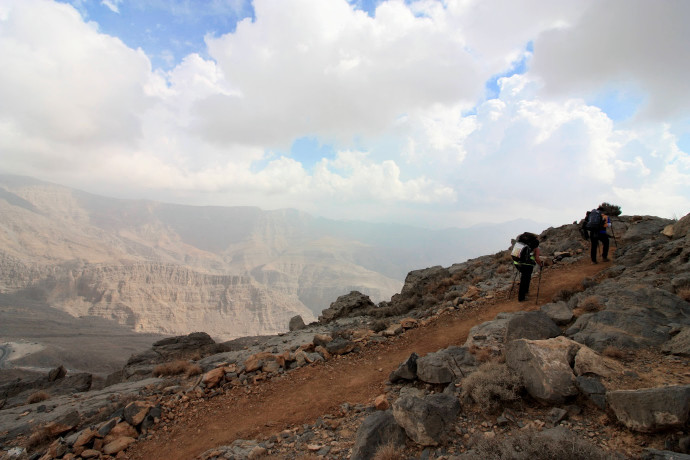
{"x":601,"y":366}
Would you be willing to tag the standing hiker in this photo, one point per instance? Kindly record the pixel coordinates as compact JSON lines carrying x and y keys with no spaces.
{"x":525,"y":256}
{"x":597,"y":223}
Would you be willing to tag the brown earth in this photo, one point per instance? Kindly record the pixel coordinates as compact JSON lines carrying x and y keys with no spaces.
{"x":301,"y":396}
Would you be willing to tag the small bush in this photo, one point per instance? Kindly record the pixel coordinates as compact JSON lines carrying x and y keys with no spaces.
{"x":177,"y":367}
{"x":37,"y":397}
{"x":591,"y":304}
{"x":379,"y":325}
{"x":565,"y":294}
{"x":389,"y":452}
{"x":481,"y":354}
{"x":491,"y":385}
{"x":613,"y":352}
{"x":502,"y":269}
{"x":532,"y":445}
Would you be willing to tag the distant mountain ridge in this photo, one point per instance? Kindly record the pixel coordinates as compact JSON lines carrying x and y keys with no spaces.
{"x":230,"y":271}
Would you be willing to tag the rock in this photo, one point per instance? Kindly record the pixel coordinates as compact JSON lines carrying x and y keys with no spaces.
{"x":90,"y":453}
{"x":593,"y":389}
{"x":213,"y":377}
{"x":57,"y":373}
{"x":445,"y":366}
{"x":681,"y":228}
{"x":652,"y":409}
{"x":545,"y":367}
{"x":296,"y":323}
{"x":679,"y":344}
{"x":85,"y":437}
{"x":377,"y":429}
{"x":558,"y":312}
{"x":381,"y":402}
{"x":321,"y":340}
{"x":353,"y":304}
{"x":654,"y":454}
{"x":340,"y":346}
{"x":393,"y":330}
{"x":417,"y":281}
{"x":426,"y":420}
{"x":587,"y":361}
{"x":633,"y":318}
{"x":121,"y":430}
{"x":135,"y":412}
{"x":118,"y":445}
{"x":406,"y":370}
{"x":493,"y":335}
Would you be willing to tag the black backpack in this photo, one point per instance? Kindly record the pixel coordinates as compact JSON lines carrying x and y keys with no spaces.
{"x":595,"y":221}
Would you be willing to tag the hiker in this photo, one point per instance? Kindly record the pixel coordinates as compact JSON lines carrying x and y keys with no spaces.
{"x":525,"y":256}
{"x":597,"y":224}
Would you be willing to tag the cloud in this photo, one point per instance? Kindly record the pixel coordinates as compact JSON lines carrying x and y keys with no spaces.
{"x":398,"y":96}
{"x":633,"y":43}
{"x":112,"y":5}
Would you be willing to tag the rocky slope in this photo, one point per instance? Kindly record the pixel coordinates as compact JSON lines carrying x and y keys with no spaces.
{"x":450,"y":368}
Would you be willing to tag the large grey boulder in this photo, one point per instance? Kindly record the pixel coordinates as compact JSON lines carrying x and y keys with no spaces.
{"x":558,"y":312}
{"x":652,"y":409}
{"x":679,"y":344}
{"x":445,"y":366}
{"x":353,"y":304}
{"x":426,"y":420}
{"x":416,"y":281}
{"x":376,"y":430}
{"x":296,"y":323}
{"x":545,"y":367}
{"x":633,"y":318}
{"x":493,"y":335}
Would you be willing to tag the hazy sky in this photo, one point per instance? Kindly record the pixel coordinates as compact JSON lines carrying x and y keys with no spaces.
{"x":432,"y":113}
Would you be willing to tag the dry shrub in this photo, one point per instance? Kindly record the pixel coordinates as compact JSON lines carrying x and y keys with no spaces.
{"x":379,"y":325}
{"x":491,"y":385}
{"x":37,"y":397}
{"x":684,"y":293}
{"x":613,"y":352}
{"x":590,"y":304}
{"x":502,"y":269}
{"x":531,"y":445}
{"x":177,"y":367}
{"x":389,"y":452}
{"x":481,"y":354}
{"x":566,"y":294}
{"x":41,"y":436}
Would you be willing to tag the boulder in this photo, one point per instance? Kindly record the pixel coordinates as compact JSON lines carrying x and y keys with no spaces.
{"x":417,"y":281}
{"x":353,"y":304}
{"x":135,"y":412}
{"x":296,"y":323}
{"x":587,"y":361}
{"x":406,"y":371}
{"x":653,"y":409}
{"x":445,"y":366}
{"x":118,"y":445}
{"x":493,"y":335}
{"x":679,"y":344}
{"x":558,"y":312}
{"x":593,"y":389}
{"x":340,"y":346}
{"x":634,"y":318}
{"x":377,"y":429}
{"x":426,"y":420}
{"x":545,"y":367}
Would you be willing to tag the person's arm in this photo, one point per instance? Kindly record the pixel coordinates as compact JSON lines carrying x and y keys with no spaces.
{"x":536,"y":257}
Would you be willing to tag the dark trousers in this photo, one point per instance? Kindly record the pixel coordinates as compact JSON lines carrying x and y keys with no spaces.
{"x":595,"y":238}
{"x":525,"y":278}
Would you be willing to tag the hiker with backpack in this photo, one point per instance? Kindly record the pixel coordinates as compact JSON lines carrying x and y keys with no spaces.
{"x":596,"y":224}
{"x":525,"y":254}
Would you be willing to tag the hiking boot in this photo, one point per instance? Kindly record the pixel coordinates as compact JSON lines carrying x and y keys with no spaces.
{"x":606,"y":259}
{"x":594,"y":262}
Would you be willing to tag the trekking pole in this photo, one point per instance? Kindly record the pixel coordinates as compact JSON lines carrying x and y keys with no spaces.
{"x":541,"y":269}
{"x":510,"y":294}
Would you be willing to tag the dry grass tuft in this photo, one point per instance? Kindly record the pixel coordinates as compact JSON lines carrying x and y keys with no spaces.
{"x":613,"y":352}
{"x":532,"y":445}
{"x":482,"y":355}
{"x":37,"y":397}
{"x":177,"y":367}
{"x":566,"y":294}
{"x":389,"y":452}
{"x":502,"y":269}
{"x":41,"y":436}
{"x":590,"y":304}
{"x":491,"y":385}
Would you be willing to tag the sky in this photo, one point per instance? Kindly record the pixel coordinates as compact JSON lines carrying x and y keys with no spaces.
{"x":430,"y":113}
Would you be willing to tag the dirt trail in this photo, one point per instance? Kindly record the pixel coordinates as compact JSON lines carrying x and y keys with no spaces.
{"x":301,"y":396}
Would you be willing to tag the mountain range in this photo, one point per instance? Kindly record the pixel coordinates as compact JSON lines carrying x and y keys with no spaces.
{"x":230,"y":271}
